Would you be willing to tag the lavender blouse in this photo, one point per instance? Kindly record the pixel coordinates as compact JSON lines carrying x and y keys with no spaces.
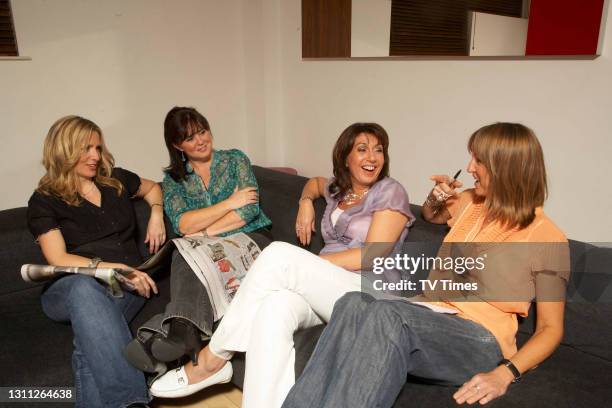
{"x":352,"y":226}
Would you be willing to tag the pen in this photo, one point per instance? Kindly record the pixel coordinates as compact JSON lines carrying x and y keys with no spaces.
{"x":455,"y":177}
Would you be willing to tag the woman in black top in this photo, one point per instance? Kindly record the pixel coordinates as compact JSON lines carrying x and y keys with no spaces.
{"x":81,"y":215}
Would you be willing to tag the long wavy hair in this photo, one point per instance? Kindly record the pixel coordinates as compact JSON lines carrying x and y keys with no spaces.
{"x":513,"y":156}
{"x":64,"y":145}
{"x":180,"y":123}
{"x":344,"y":145}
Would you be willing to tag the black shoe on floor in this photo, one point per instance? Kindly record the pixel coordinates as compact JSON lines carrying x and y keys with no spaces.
{"x":139,"y":355}
{"x":183,"y":339}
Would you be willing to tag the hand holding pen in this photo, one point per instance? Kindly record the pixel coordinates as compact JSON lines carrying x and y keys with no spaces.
{"x":444,"y":188}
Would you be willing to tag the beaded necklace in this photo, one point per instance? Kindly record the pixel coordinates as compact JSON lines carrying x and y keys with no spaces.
{"x":351,"y":197}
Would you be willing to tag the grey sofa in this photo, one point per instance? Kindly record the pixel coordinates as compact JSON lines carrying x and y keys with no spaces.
{"x":34,"y":351}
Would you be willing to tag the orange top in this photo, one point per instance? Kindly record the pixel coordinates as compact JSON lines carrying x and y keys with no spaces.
{"x":500,"y":317}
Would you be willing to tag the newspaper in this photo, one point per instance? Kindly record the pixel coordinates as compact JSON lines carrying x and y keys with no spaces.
{"x":113,"y":277}
{"x":221,"y":263}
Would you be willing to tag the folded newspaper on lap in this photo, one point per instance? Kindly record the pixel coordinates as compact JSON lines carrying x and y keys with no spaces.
{"x":113,"y":277}
{"x":221,"y":263}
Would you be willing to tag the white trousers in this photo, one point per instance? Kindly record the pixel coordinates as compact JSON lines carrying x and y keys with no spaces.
{"x":286,"y":289}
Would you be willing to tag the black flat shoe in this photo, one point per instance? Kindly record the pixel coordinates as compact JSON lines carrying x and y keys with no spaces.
{"x":138,"y":354}
{"x":183,"y":339}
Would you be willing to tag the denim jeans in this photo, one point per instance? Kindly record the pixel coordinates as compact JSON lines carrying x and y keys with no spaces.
{"x":103,"y":378}
{"x":188,"y":297}
{"x":370,"y":346}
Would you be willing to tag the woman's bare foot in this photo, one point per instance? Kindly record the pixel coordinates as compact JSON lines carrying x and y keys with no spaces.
{"x":207,"y":366}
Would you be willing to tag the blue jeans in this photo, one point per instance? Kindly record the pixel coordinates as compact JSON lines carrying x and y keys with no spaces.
{"x":102,"y":376}
{"x":370,"y":346}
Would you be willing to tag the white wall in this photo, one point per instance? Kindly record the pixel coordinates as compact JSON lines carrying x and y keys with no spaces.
{"x":370,"y":28}
{"x":261,"y":26}
{"x":430,"y":108}
{"x":123,"y":64}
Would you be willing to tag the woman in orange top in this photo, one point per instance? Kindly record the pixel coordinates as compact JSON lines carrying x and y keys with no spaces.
{"x":370,"y":346}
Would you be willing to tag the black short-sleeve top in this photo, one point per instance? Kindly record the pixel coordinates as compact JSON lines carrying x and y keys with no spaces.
{"x":108,"y":231}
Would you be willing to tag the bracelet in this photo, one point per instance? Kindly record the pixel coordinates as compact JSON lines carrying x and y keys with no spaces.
{"x":515,"y":372}
{"x":433,"y":203}
{"x":94,"y":262}
{"x":305,"y":198}
{"x":154,"y":204}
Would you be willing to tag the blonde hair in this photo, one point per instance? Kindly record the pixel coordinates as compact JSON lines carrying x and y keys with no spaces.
{"x":513,"y":156}
{"x":64,"y":145}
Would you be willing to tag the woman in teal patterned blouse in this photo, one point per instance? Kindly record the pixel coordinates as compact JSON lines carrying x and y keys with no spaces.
{"x":229,"y":174}
{"x":207,"y":191}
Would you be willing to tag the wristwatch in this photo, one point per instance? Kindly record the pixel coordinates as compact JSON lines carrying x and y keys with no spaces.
{"x":94,"y":262}
{"x":515,"y":372}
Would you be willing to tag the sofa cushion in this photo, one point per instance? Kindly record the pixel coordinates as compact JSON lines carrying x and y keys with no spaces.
{"x":17,"y":246}
{"x":588,"y":326}
{"x":278,"y":198}
{"x":423,"y":231}
{"x":35,"y":350}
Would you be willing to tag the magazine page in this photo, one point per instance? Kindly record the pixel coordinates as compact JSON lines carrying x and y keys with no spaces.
{"x":221,"y":263}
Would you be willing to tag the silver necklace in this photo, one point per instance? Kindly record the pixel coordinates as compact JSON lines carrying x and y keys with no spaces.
{"x":351,"y":197}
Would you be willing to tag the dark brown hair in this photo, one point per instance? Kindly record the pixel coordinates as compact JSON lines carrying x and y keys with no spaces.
{"x":180,"y":123}
{"x":343,"y":147}
{"x":513,"y":156}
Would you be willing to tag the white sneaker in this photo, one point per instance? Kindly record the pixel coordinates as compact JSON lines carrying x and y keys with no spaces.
{"x":174,"y":384}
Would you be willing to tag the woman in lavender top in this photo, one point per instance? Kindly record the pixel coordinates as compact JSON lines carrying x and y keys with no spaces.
{"x":289,"y":288}
{"x":343,"y":230}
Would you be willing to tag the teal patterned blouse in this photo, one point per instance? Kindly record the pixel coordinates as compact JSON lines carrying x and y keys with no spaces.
{"x":229,"y":169}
